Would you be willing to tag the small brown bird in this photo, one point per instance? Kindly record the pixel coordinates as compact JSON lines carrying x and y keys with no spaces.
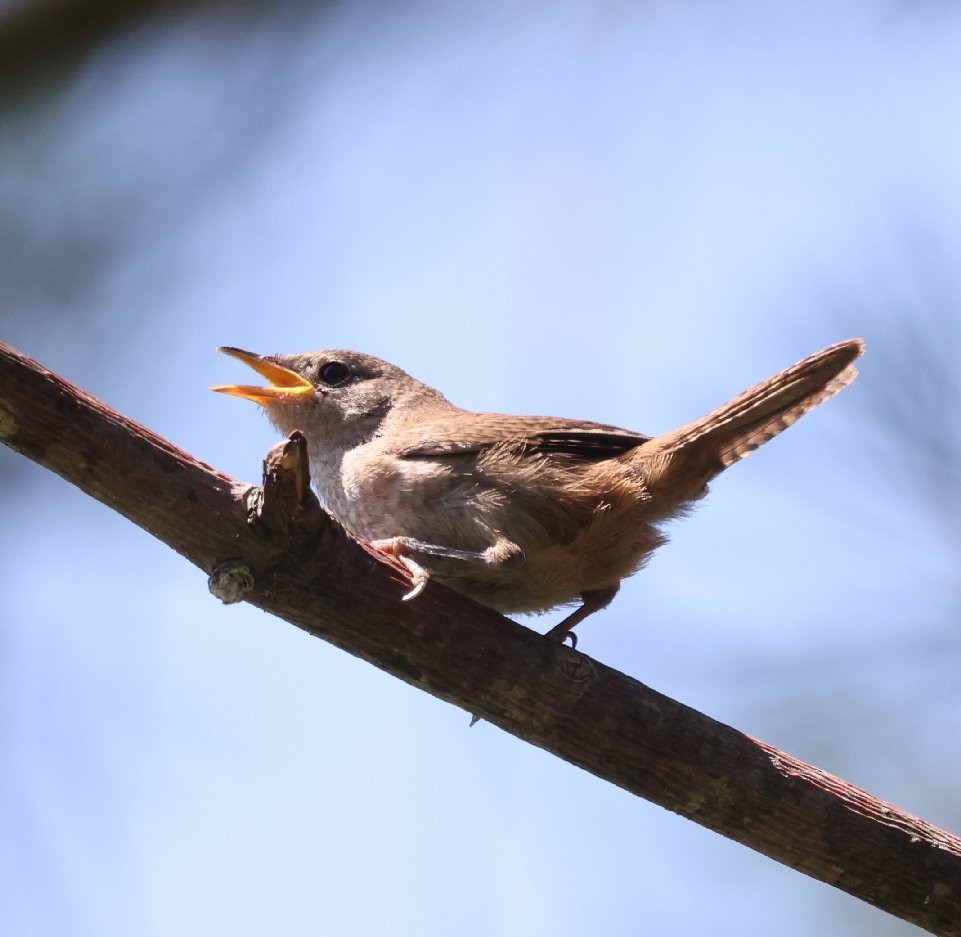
{"x":520,"y":513}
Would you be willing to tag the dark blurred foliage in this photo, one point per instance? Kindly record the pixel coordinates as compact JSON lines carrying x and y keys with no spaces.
{"x":903,"y":439}
{"x":916,"y":403}
{"x":63,"y":229}
{"x":910,"y":304}
{"x":43,"y":41}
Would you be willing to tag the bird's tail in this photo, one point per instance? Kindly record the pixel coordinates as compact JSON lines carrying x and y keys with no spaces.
{"x":695,"y":453}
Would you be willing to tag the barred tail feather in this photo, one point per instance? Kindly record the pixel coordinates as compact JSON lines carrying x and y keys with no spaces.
{"x":705,"y":447}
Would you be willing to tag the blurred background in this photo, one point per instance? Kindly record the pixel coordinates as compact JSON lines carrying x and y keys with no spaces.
{"x":619,"y":211}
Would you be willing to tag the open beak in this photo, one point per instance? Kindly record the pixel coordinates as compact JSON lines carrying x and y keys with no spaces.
{"x":283,"y":381}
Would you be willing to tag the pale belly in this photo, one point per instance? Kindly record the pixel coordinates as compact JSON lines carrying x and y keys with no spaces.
{"x":593,"y":545}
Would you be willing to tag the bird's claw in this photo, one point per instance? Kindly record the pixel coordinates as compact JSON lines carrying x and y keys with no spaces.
{"x":420,"y":583}
{"x":419,"y":577}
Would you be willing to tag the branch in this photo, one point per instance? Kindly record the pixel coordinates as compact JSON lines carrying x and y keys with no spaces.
{"x":275,"y":548}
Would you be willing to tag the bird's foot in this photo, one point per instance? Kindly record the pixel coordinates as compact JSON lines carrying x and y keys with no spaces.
{"x":593,"y":600}
{"x":397,"y":547}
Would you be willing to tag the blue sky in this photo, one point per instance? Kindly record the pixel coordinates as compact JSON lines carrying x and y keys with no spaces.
{"x":619,"y":212}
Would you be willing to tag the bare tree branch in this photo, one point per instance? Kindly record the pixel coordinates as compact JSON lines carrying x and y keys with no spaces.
{"x":275,"y":548}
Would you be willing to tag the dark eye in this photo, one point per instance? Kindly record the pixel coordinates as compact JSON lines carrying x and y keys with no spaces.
{"x":334,"y":373}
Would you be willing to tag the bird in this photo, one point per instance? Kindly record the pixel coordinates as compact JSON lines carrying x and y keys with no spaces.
{"x":522,"y":514}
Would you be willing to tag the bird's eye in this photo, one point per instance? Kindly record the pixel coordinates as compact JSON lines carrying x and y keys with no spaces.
{"x":334,"y":373}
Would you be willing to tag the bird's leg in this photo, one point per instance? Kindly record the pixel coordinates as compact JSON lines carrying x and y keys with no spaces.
{"x":396,"y":546}
{"x":400,"y":547}
{"x":593,"y":600}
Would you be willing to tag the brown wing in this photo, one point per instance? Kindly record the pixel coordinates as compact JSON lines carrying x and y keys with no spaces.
{"x":471,"y":433}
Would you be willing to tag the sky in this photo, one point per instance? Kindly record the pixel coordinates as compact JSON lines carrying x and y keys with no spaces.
{"x":618,"y":212}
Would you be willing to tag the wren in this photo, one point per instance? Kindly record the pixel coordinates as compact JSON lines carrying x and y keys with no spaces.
{"x":520,"y":513}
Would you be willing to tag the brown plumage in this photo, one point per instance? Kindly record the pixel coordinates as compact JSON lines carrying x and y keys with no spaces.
{"x":520,"y":513}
